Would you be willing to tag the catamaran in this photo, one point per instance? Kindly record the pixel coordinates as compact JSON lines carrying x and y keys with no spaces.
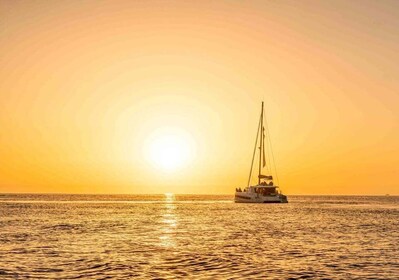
{"x":265,"y":191}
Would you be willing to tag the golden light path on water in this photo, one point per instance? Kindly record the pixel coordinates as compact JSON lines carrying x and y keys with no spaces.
{"x":169,"y":221}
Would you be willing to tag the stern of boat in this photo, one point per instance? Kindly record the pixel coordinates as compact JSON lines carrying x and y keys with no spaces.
{"x":242,"y":197}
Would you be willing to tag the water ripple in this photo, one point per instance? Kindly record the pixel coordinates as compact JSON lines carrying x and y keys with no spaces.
{"x":197,"y":237}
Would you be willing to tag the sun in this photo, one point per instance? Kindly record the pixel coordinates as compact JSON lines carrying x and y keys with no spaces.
{"x":169,"y":149}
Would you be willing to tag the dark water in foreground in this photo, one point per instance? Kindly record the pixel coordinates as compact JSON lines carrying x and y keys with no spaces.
{"x":197,"y":237}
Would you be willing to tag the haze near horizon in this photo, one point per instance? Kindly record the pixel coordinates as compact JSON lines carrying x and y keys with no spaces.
{"x":164,"y":96}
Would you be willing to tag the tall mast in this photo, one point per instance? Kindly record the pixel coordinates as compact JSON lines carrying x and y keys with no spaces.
{"x":260,"y":144}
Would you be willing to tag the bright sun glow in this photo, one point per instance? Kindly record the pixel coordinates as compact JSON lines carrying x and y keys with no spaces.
{"x":170,"y":149}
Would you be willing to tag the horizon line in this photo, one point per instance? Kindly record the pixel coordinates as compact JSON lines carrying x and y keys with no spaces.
{"x":224,"y":194}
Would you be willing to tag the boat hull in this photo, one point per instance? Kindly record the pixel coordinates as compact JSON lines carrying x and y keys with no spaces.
{"x":245,"y":197}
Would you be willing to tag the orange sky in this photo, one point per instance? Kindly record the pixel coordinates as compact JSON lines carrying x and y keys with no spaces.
{"x":86,"y":85}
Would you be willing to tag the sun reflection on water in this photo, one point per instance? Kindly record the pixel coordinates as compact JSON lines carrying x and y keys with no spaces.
{"x":168,"y":221}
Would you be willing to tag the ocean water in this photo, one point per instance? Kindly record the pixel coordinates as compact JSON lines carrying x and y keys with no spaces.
{"x":197,"y":237}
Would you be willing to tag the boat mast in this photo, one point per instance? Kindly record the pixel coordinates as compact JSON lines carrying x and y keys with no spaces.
{"x":260,"y":144}
{"x":254,"y":153}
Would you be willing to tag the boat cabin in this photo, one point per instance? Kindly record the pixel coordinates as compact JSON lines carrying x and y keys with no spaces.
{"x":264,"y":190}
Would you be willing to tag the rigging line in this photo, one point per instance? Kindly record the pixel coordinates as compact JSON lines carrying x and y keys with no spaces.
{"x":271,"y":151}
{"x":253,"y":156}
{"x":267,"y":150}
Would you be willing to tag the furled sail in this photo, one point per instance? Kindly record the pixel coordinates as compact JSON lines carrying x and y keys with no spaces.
{"x":267,"y":177}
{"x":263,"y":148}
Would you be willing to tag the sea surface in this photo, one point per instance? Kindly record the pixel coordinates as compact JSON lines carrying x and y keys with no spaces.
{"x":197,"y":237}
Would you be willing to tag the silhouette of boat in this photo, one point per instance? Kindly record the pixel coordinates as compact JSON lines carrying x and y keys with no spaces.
{"x":265,"y":191}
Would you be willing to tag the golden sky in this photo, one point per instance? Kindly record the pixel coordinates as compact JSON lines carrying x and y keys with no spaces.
{"x":97,"y":96}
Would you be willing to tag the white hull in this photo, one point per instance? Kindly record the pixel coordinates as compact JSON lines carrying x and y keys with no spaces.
{"x":250,"y":197}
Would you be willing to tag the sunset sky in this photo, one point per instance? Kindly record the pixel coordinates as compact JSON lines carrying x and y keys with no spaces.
{"x":164,"y":96}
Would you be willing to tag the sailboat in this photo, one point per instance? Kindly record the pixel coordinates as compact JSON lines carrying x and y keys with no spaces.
{"x":265,"y":191}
